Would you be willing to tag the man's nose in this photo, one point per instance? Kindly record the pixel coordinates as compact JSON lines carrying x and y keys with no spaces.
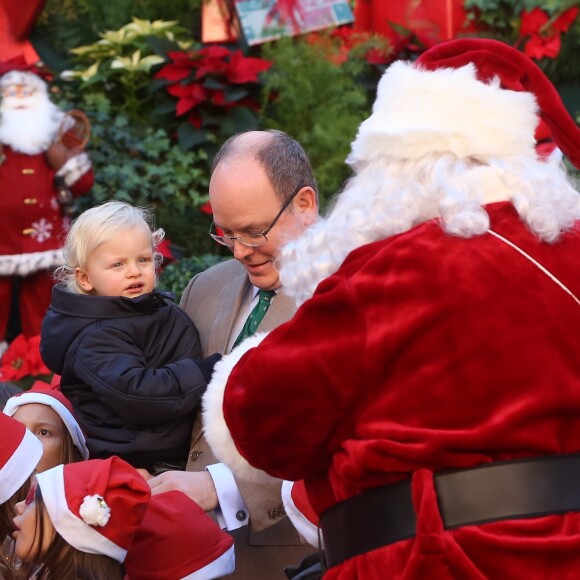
{"x":240,"y":251}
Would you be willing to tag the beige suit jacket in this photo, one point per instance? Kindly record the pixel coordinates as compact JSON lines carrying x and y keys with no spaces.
{"x":212,"y":299}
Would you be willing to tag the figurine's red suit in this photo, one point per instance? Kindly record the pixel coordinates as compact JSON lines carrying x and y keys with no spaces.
{"x":33,"y":220}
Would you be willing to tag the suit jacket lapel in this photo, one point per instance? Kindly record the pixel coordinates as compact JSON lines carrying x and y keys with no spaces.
{"x":230,"y":297}
{"x":281,"y":310}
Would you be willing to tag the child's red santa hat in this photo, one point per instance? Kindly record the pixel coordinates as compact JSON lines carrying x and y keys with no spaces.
{"x":46,"y":394}
{"x":97,"y":506}
{"x":469,"y":97}
{"x":179,"y":541}
{"x":20,"y":453}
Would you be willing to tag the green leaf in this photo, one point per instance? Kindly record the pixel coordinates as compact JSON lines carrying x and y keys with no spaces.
{"x":188,"y":136}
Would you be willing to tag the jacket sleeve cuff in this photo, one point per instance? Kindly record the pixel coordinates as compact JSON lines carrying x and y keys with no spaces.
{"x":75,"y":168}
{"x":215,"y":428}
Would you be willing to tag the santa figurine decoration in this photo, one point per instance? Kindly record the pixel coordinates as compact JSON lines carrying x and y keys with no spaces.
{"x":43,"y":166}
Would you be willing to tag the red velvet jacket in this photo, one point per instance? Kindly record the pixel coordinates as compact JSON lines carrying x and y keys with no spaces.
{"x":32,"y":220}
{"x":425,"y":352}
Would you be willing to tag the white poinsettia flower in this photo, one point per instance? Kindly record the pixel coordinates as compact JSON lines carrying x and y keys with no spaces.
{"x":136,"y":63}
{"x":95,"y":511}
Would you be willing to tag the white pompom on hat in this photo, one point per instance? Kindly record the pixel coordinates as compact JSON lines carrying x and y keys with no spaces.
{"x":179,"y":541}
{"x":97,"y":506}
{"x":470,"y":97}
{"x":45,"y":394}
{"x":20,"y":453}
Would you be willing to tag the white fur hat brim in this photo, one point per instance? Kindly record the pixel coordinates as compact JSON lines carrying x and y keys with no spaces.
{"x":69,"y":421}
{"x":20,"y":466}
{"x":419,"y":112}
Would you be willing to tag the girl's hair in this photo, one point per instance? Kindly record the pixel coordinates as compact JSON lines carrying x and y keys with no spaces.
{"x":69,"y":452}
{"x":6,"y":543}
{"x":7,"y":513}
{"x":7,"y":572}
{"x":97,"y":226}
{"x":63,"y":562}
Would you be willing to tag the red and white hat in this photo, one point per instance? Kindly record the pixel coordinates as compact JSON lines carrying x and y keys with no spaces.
{"x":46,"y":394}
{"x":471,"y":97}
{"x":97,"y":505}
{"x":179,"y":541}
{"x":301,"y":513}
{"x":20,"y":453}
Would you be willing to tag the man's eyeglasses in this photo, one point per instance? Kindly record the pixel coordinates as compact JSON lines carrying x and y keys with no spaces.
{"x":250,"y":240}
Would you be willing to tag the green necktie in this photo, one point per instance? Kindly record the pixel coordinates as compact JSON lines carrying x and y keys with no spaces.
{"x":255,"y":317}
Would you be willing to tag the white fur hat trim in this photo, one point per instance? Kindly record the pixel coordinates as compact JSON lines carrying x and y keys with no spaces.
{"x":78,"y":438}
{"x":418,"y":112}
{"x":20,"y":466}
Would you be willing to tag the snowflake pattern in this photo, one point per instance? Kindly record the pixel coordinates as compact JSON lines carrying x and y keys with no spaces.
{"x":54,"y":204}
{"x":42,"y":230}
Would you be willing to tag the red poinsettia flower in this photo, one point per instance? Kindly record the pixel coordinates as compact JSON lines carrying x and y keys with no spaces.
{"x":189,"y":96}
{"x":218,"y":97}
{"x":217,"y":52}
{"x":214,"y":63}
{"x":211,"y":64}
{"x":178,"y":69}
{"x":22,"y":359}
{"x":164,"y":248}
{"x":242,"y":69}
{"x":544,"y":32}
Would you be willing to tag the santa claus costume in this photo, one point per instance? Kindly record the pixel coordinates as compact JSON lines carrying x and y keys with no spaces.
{"x":34,"y":221}
{"x":428,"y":388}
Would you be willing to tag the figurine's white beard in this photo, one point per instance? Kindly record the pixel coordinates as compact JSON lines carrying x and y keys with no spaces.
{"x":30,"y":130}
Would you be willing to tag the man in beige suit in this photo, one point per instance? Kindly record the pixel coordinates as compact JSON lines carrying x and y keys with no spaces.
{"x":263,"y":194}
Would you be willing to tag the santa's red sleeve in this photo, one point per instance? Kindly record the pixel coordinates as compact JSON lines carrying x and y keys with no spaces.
{"x":300,"y":369}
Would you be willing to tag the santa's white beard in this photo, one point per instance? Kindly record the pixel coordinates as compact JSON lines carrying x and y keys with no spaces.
{"x":30,"y":130}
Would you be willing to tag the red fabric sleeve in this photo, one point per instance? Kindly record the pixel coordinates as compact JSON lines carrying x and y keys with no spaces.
{"x":317,"y":344}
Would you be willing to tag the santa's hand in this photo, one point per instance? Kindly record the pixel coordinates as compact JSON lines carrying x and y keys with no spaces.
{"x":198,"y":485}
{"x":74,"y":168}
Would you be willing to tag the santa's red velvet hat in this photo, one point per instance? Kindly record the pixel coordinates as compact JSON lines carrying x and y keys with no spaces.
{"x":45,"y":394}
{"x":20,"y":453}
{"x":178,"y":540}
{"x":469,"y":97}
{"x":97,"y":505}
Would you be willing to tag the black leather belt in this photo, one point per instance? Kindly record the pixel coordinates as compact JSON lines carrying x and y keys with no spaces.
{"x":494,"y":491}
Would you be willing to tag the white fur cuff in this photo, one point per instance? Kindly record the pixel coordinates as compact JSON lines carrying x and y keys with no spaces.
{"x":75,"y":168}
{"x":215,"y":427}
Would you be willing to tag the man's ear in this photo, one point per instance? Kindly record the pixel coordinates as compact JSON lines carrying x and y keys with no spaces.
{"x":82,"y":279}
{"x":307,"y":203}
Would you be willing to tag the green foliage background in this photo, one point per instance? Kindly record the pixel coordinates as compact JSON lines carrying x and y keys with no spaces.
{"x":318,"y":103}
{"x":70,"y":23}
